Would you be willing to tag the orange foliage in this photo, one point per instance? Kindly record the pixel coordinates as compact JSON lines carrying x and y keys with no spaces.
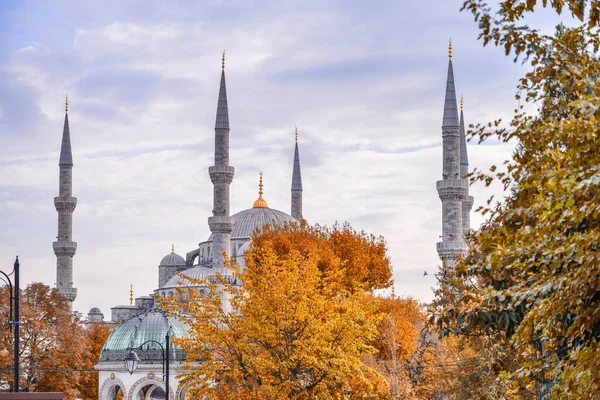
{"x":364,"y":262}
{"x":95,"y":336}
{"x":55,"y":348}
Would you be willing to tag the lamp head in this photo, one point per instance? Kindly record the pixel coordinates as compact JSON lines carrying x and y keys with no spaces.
{"x":131,"y":361}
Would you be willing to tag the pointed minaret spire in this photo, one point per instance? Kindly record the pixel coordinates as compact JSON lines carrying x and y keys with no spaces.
{"x":66,"y":158}
{"x":65,"y":203}
{"x":467,"y":202}
{"x":450,"y":109}
{"x":296,"y":184}
{"x":222,"y":110}
{"x":452,"y":189}
{"x":221,"y":175}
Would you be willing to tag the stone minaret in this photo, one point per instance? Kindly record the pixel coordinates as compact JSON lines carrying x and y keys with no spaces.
{"x":467,"y":202}
{"x":65,"y":203}
{"x":452,"y":188}
{"x":221,"y":175}
{"x":297,"y":185}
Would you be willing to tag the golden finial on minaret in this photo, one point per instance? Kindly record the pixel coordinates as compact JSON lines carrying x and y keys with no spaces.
{"x":260,"y":202}
{"x":296,"y":134}
{"x":223,"y":61}
{"x":461,"y":102}
{"x":393,"y":291}
{"x":450,"y":49}
{"x":66,"y":104}
{"x":172,"y":249}
{"x":131,"y":294}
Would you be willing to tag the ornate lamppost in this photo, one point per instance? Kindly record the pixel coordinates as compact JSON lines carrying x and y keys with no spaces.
{"x":132,"y":360}
{"x":14,"y":322}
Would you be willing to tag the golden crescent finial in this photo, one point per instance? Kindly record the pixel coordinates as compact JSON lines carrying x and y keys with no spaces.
{"x":461,"y":102}
{"x":173,"y":249}
{"x":131,"y":294}
{"x":450,"y":49}
{"x":66,"y":104}
{"x":223,"y":61}
{"x":296,"y":134}
{"x":260,"y":202}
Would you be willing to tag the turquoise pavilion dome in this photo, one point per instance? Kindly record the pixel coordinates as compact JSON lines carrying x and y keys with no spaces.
{"x":132,"y":333}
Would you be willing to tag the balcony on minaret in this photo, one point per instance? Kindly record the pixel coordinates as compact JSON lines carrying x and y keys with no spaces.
{"x":64,"y":248}
{"x":221,"y":174}
{"x":65,"y":203}
{"x":452,"y":189}
{"x":220,"y":224}
{"x":70,"y":293}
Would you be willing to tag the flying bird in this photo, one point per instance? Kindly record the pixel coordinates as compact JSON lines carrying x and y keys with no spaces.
{"x":425,"y":273}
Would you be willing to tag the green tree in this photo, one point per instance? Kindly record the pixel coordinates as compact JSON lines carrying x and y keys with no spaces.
{"x":531,"y":281}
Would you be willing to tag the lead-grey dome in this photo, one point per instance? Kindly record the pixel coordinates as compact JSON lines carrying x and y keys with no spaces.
{"x":95,"y":310}
{"x":152,"y":325}
{"x":172,"y":259}
{"x":246,"y":221}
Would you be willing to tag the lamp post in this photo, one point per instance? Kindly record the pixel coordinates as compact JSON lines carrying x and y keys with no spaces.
{"x":132,"y":360}
{"x":14,"y":296}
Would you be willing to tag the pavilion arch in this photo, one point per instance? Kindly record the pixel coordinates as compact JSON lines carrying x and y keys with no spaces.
{"x":110,"y":388}
{"x":181,"y":393}
{"x":149,"y":382}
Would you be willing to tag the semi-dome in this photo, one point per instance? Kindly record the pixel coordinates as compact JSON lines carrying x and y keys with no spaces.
{"x":182,"y":278}
{"x":152,"y":325}
{"x":172,"y":258}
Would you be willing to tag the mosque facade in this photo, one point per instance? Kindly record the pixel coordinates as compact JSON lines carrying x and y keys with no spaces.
{"x":143,"y":322}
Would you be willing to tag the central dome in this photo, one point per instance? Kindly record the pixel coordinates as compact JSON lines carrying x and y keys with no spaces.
{"x":245,"y":222}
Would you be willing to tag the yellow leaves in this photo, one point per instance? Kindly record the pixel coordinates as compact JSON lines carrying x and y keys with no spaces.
{"x":299,"y":327}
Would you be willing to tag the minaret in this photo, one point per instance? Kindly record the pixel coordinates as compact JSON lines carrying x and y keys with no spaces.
{"x":221,"y":175}
{"x":297,"y":184}
{"x":467,"y":202}
{"x":451,"y":189}
{"x":65,"y":203}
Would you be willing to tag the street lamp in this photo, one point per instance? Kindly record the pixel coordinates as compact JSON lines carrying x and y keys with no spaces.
{"x":14,"y":296}
{"x":132,"y":360}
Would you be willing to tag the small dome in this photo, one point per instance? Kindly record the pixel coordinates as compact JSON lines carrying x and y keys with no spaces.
{"x":152,"y":325}
{"x":172,"y":258}
{"x":95,"y":310}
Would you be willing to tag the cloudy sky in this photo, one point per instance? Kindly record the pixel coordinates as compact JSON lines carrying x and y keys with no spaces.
{"x":363,"y":81}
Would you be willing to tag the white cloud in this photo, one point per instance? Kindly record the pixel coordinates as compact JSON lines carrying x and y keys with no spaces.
{"x":364,"y":88}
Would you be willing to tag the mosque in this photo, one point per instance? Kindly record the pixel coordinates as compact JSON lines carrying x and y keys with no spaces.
{"x":141,"y":321}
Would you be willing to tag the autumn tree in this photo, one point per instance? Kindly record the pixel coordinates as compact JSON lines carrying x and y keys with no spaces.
{"x":94,"y":338}
{"x":363,"y":257}
{"x":396,"y":341}
{"x":534,"y":266}
{"x":300,"y":327}
{"x":53,"y":349}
